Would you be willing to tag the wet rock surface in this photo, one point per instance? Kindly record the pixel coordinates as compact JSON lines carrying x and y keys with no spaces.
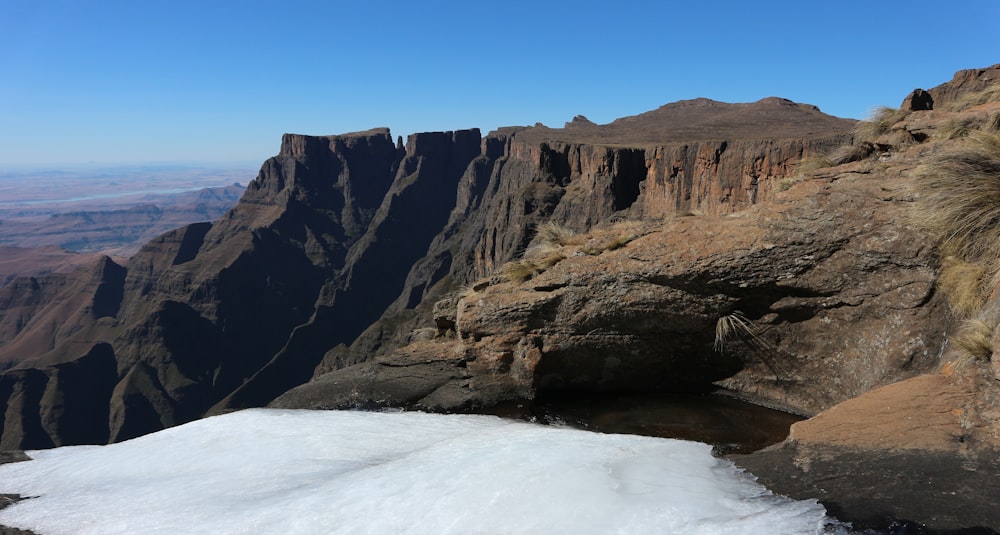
{"x":905,"y":491}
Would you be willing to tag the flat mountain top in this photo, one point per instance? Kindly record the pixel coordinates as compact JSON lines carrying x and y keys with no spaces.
{"x":696,"y":120}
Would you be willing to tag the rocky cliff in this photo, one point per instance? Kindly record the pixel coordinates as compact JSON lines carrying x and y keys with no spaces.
{"x":313,"y":248}
{"x":826,"y":280}
{"x":702,"y":156}
{"x":339,"y":249}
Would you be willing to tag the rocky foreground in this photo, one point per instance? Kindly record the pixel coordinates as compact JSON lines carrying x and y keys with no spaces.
{"x":765,"y":248}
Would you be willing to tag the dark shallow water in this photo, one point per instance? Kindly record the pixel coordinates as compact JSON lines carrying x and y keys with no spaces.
{"x":728,"y":424}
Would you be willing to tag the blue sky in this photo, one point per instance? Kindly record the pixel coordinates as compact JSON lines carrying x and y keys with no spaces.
{"x":218,"y":82}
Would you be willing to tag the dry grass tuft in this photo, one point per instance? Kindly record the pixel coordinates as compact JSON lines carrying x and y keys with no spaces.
{"x":786,"y":183}
{"x":542,"y":248}
{"x":619,"y":241}
{"x":518,"y":271}
{"x":841,"y":155}
{"x":553,"y":233}
{"x":733,"y":325}
{"x":545,"y":262}
{"x":689,"y":213}
{"x":992,"y":123}
{"x":989,"y":94}
{"x":958,"y":127}
{"x":617,"y":236}
{"x":522,"y":270}
{"x":852,"y":153}
{"x":960,"y":199}
{"x":879,"y":123}
{"x":966,"y":286}
{"x":976,"y":339}
{"x":554,"y":243}
{"x":960,"y":205}
{"x":812,"y":163}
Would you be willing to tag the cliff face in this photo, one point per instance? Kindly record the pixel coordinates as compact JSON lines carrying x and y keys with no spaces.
{"x":721,"y":177}
{"x":585,"y":175}
{"x":340,"y":247}
{"x":965,"y":83}
{"x":306,"y":260}
{"x":803,"y":302}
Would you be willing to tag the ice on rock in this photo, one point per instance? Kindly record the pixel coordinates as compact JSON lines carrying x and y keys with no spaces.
{"x":280,"y":471}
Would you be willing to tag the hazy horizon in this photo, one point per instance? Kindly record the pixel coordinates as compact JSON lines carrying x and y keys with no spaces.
{"x":134,"y":82}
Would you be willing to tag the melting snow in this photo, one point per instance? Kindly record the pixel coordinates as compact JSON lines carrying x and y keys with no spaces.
{"x":281,"y":471}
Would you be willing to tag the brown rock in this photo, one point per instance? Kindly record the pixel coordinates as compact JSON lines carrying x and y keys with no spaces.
{"x":918,"y":100}
{"x":36,"y":261}
{"x":965,"y":82}
{"x":923,"y":413}
{"x":889,"y":491}
{"x":58,"y":405}
{"x":645,"y":166}
{"x":898,"y":453}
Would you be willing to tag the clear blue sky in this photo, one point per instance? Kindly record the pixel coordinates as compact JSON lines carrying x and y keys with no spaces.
{"x":219,"y":82}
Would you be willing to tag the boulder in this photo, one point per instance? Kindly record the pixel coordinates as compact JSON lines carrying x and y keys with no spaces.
{"x":918,"y":100}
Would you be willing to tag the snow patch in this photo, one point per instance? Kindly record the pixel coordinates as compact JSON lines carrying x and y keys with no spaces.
{"x":283,"y":471}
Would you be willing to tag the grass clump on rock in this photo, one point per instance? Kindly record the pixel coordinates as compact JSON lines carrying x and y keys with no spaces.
{"x":522,"y":270}
{"x":879,"y":123}
{"x":959,"y":187}
{"x":976,"y":339}
{"x":554,"y":243}
{"x":960,"y":199}
{"x":735,"y":325}
{"x":554,"y":234}
{"x":989,"y":94}
{"x":966,"y":285}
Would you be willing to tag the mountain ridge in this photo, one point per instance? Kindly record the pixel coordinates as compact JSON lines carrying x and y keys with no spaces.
{"x":699,"y":119}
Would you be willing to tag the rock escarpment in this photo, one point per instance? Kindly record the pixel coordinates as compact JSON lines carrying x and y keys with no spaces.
{"x":339,"y":249}
{"x":303,"y":262}
{"x":825,"y":281}
{"x":704,"y":156}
